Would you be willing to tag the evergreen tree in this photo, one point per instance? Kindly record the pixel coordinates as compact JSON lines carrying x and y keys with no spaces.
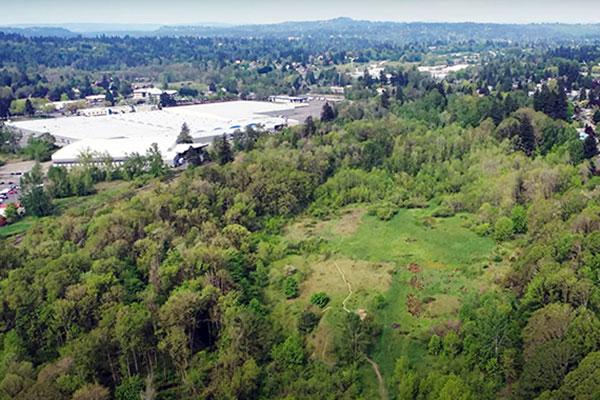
{"x":590,"y":147}
{"x":367,"y":78}
{"x":399,"y":94}
{"x":29,"y":110}
{"x":309,"y":127}
{"x":223,"y":153}
{"x":110,"y":98}
{"x":497,"y":111}
{"x":156,"y":165}
{"x":327,"y":114}
{"x":596,"y":116}
{"x":35,"y":199}
{"x":560,"y":108}
{"x":184,"y":135}
{"x":538,"y":102}
{"x":385,"y":99}
{"x":383,"y":78}
{"x":510,"y":104}
{"x":526,"y":136}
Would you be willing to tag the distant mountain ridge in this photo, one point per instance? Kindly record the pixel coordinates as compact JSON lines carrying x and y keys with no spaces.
{"x":39,"y":31}
{"x":345,"y":27}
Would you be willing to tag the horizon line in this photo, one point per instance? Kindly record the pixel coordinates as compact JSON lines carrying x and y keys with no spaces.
{"x":218,"y":24}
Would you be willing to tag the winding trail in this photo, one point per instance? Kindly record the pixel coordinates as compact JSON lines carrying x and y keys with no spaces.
{"x":347,"y":284}
{"x":382,"y":390}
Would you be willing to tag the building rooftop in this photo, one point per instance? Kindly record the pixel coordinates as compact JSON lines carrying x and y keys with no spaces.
{"x":122,"y":134}
{"x":203,"y":120}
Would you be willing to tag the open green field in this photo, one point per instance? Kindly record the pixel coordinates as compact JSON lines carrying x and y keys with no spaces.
{"x":410,"y":273}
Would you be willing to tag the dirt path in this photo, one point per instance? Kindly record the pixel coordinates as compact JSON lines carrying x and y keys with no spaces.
{"x":382,"y":390}
{"x":347,"y":284}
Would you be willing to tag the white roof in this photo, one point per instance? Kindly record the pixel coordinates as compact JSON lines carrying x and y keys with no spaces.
{"x":120,"y":149}
{"x":143,"y":128}
{"x":96,"y":97}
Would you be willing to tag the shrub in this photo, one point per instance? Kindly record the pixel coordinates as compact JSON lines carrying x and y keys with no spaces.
{"x":384,"y":211}
{"x":308,"y":321}
{"x":519,"y":219}
{"x":291,"y":288}
{"x":503,"y":229}
{"x":320,"y":299}
{"x":380,"y":302}
{"x":435,"y":345}
{"x":482,"y":229}
{"x":11,"y":213}
{"x":443,"y":212}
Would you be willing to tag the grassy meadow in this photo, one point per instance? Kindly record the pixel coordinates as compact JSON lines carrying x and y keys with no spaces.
{"x":410,"y":273}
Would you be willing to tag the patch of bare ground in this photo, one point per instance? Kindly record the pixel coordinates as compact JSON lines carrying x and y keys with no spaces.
{"x":325,"y":277}
{"x":413,"y":305}
{"x":344,"y":225}
{"x":348,"y":223}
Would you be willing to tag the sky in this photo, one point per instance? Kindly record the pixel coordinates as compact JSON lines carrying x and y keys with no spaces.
{"x":171,"y":12}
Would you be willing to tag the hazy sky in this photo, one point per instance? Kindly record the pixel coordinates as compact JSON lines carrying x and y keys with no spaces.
{"x":266,"y":11}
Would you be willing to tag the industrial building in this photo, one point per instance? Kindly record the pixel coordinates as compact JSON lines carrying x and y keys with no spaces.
{"x":119,"y":135}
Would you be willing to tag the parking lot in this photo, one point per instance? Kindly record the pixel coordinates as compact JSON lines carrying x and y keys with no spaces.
{"x":10,"y":176}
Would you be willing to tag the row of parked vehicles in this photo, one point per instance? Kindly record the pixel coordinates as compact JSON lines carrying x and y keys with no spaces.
{"x":11,"y":190}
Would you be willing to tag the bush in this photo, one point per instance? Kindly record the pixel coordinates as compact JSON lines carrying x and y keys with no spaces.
{"x":320,"y":299}
{"x":483,"y":229}
{"x":380,"y":302}
{"x":11,"y":213}
{"x":443,"y":212}
{"x":435,"y":345}
{"x":291,"y":288}
{"x":308,"y":321}
{"x":519,"y":219}
{"x":384,"y":211}
{"x":503,"y":229}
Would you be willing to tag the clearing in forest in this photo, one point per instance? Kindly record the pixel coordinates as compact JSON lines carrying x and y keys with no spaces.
{"x":410,"y":273}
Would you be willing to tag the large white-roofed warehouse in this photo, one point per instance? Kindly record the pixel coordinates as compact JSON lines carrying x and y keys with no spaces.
{"x":120,"y":135}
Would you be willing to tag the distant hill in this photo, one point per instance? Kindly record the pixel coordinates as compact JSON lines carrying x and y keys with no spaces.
{"x":398,"y":32}
{"x":39,"y":31}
